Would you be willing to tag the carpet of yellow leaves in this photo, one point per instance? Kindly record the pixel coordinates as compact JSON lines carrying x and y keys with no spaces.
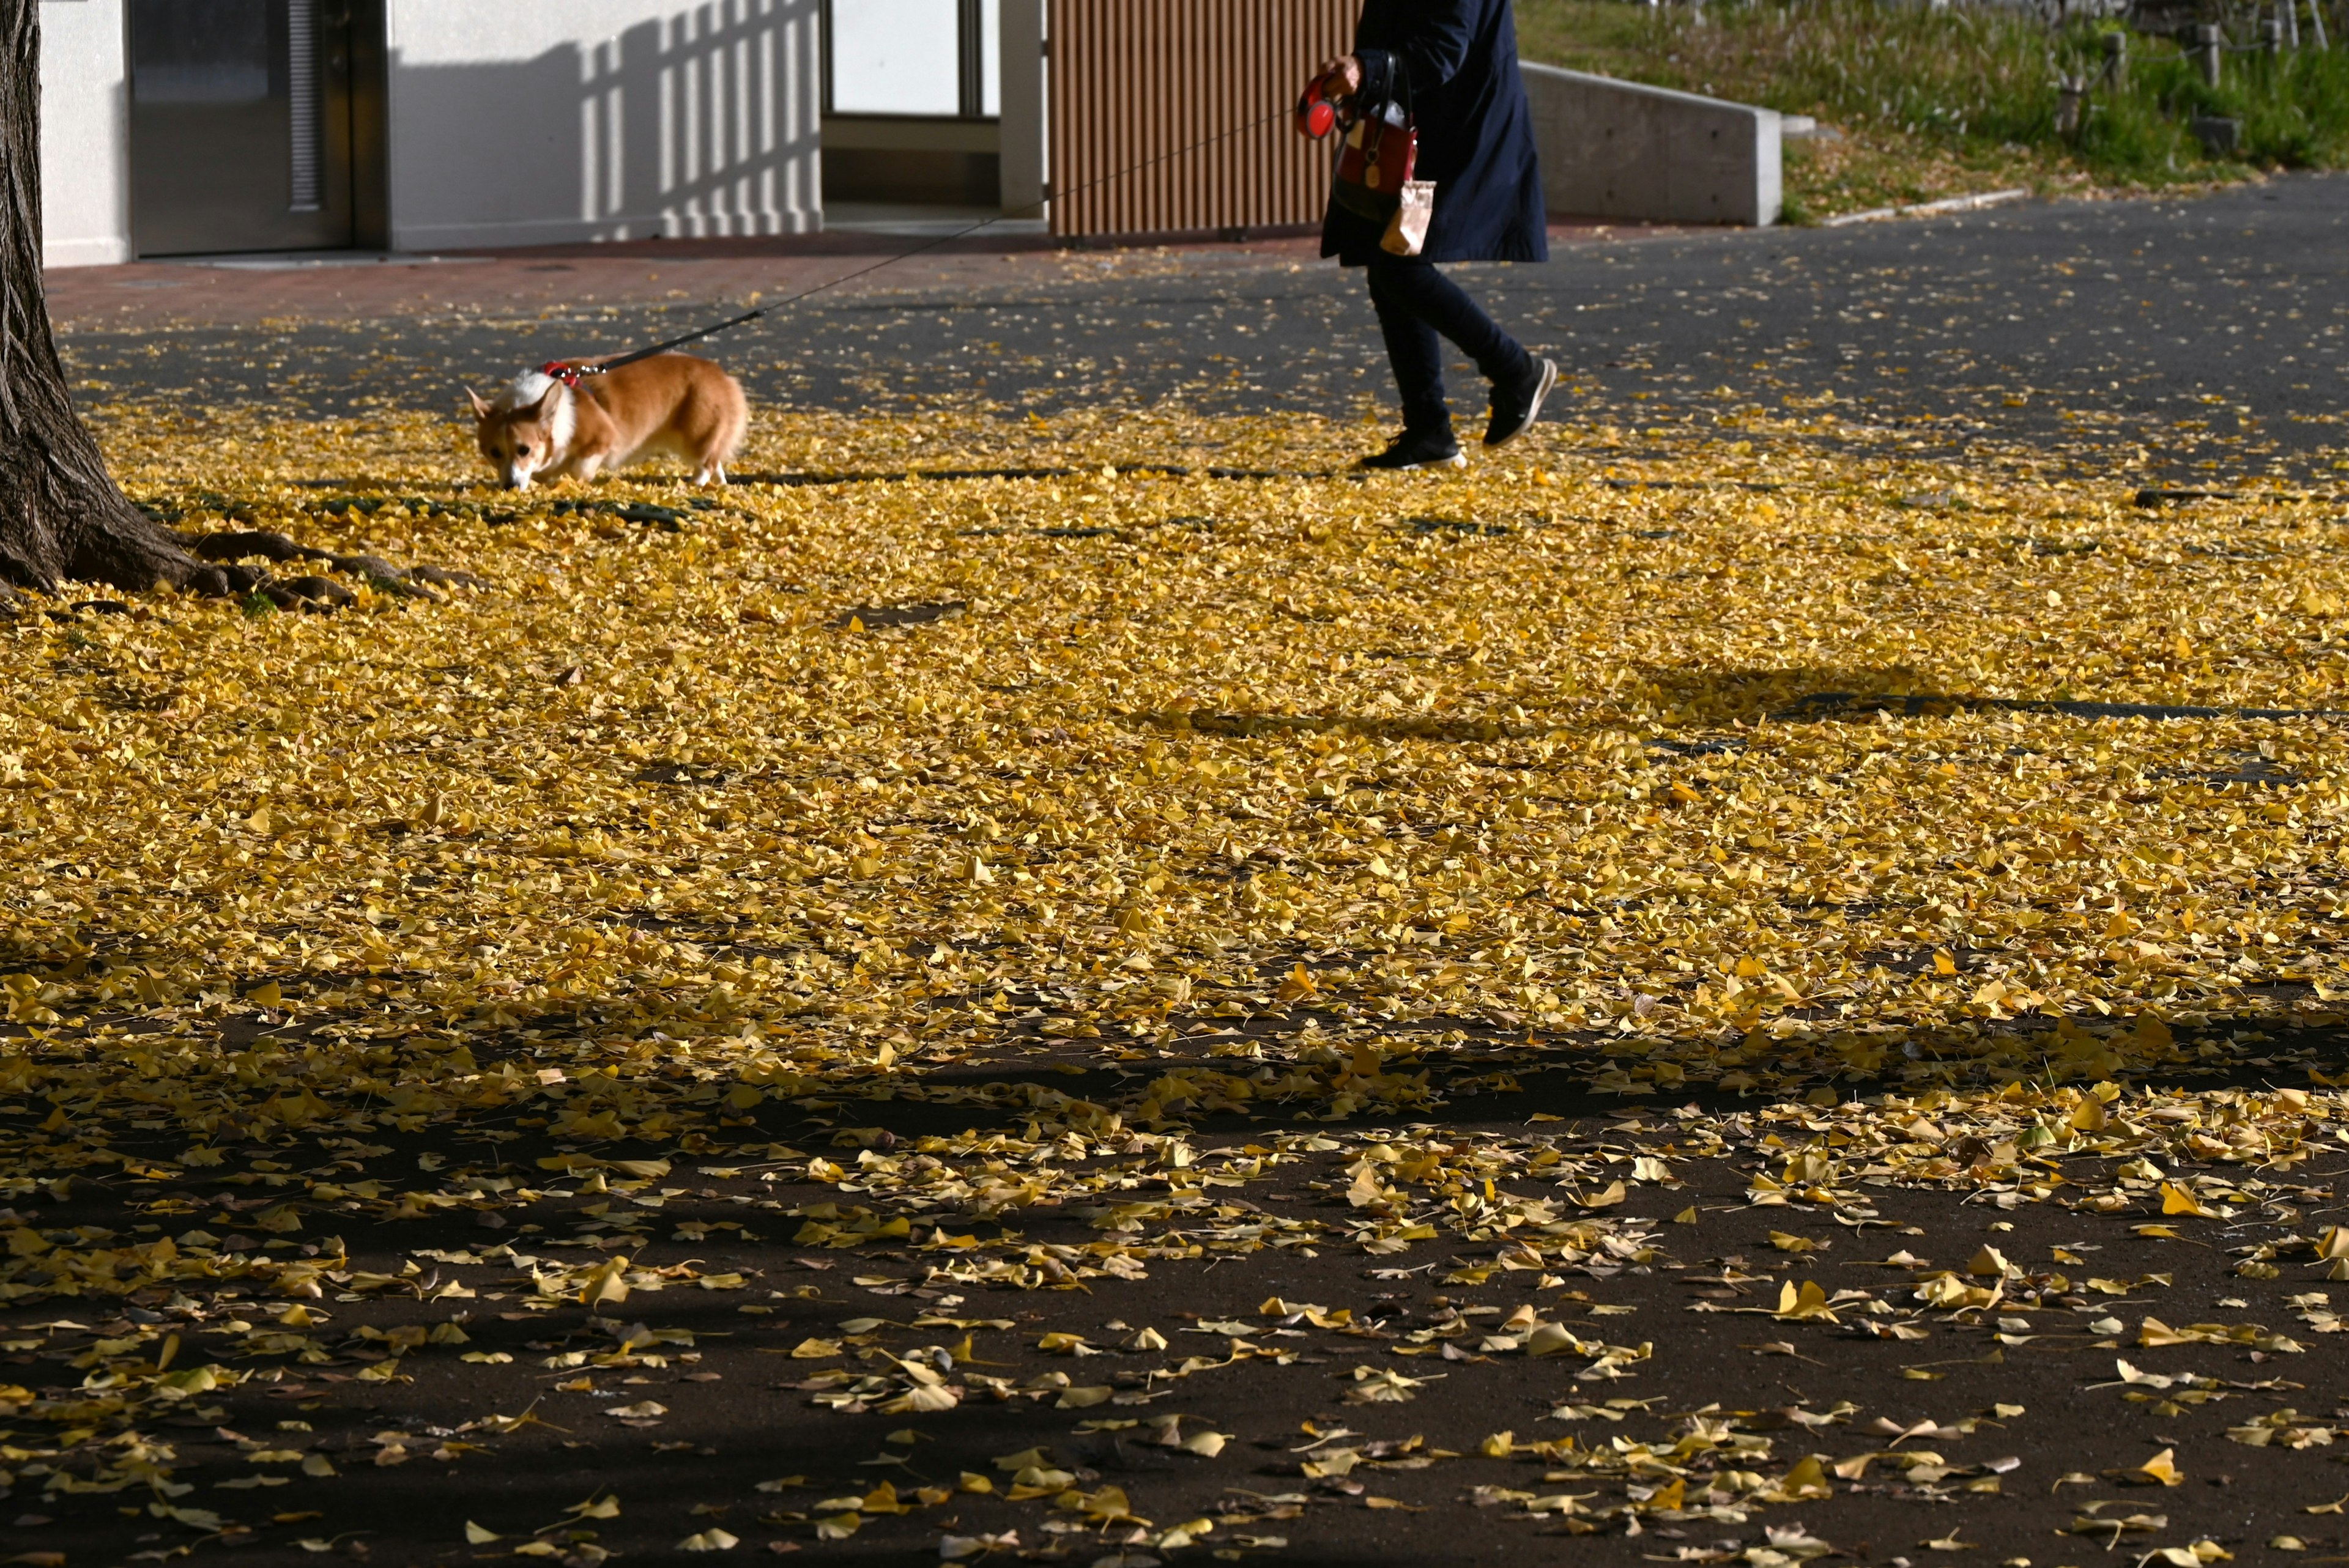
{"x":1717,"y":767}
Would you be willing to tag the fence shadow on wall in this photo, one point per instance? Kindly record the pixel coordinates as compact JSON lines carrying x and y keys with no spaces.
{"x":700,"y":123}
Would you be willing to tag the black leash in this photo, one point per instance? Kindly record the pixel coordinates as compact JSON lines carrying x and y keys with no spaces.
{"x":570,"y":374}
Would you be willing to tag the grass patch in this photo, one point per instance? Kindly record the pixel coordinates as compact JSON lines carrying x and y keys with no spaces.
{"x":1931,"y":104}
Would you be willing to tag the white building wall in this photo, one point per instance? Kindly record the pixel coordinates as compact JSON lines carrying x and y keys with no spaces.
{"x":84,"y":134}
{"x":602,"y":119}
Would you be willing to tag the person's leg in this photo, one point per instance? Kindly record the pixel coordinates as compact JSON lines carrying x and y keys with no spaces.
{"x":1411,"y":346}
{"x":1416,"y":304}
{"x":1440,"y":305}
{"x":1413,"y":290}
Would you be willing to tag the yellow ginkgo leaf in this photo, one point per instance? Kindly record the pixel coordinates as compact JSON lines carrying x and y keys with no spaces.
{"x":2161,"y":1469}
{"x":2177,"y":1199}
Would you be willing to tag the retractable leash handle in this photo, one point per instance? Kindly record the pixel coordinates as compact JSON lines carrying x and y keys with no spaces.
{"x":1317,"y":111}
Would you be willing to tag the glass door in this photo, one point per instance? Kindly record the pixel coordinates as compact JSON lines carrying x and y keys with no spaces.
{"x":241,"y":125}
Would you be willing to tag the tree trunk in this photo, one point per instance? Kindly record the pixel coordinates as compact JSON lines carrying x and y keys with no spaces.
{"x":61,"y":516}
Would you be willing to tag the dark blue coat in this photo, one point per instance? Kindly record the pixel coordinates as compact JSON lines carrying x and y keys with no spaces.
{"x":1475,"y":132}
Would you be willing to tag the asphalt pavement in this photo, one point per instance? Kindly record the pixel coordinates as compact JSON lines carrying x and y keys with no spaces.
{"x":2165,"y":336}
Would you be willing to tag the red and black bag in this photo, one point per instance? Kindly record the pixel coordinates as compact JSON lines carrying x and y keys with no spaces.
{"x":1381,"y":146}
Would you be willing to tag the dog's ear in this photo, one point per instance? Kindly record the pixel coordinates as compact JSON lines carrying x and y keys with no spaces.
{"x":480,"y":408}
{"x":547,"y":400}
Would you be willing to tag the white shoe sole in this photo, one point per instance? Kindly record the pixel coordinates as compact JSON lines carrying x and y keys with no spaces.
{"x":1541,"y":395}
{"x":1456,"y":461}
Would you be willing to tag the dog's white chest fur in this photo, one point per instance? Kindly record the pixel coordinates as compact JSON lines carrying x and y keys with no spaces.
{"x":524,"y":392}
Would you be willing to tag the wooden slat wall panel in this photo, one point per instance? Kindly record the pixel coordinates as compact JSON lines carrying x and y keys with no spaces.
{"x":1133,"y":82}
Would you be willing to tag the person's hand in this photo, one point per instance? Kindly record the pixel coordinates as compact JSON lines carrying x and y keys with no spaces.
{"x":1342,"y":78}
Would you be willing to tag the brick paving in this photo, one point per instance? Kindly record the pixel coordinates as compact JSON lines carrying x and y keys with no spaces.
{"x":148,"y":295}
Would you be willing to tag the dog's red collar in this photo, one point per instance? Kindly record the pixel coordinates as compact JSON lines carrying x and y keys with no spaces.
{"x":569,"y":375}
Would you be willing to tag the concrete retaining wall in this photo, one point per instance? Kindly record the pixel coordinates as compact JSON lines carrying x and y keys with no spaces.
{"x":1619,"y":150}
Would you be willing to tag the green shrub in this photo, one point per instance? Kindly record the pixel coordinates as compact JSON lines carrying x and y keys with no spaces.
{"x":1970,"y":76}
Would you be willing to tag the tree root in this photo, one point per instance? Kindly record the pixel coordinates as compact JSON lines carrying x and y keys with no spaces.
{"x":312,"y":592}
{"x":230,"y":575}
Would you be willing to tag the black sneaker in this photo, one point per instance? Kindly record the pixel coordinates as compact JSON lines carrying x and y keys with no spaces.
{"x":1419,"y":449}
{"x":1515,"y":408}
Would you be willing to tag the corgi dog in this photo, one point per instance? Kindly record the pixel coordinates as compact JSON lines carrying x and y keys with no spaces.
{"x":672,"y":405}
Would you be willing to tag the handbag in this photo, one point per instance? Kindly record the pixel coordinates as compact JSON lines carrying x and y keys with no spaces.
{"x":1381,"y":146}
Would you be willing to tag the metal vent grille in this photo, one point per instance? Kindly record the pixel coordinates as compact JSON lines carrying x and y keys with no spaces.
{"x":302,"y":93}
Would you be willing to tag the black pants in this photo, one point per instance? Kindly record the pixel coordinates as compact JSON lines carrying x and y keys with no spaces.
{"x":1415,"y":304}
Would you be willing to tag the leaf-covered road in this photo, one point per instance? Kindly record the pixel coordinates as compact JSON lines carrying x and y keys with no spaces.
{"x":1727,"y":988}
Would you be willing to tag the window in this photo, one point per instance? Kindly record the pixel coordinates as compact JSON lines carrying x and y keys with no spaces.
{"x":938,"y":59}
{"x":989,"y":51}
